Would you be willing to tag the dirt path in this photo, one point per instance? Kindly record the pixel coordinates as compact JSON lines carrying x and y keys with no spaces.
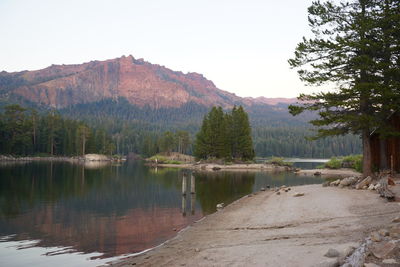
{"x":275,"y":230}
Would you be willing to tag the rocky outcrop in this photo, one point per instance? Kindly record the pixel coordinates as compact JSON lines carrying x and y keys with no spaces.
{"x":140,"y":82}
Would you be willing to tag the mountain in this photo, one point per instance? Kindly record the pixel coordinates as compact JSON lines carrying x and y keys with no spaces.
{"x":136,"y":101}
{"x":140,"y":82}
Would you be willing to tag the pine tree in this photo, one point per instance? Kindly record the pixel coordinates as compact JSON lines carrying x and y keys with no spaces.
{"x":346,"y":50}
{"x":225,"y":135}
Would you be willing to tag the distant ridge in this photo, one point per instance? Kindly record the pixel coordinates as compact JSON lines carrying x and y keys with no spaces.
{"x":140,"y":82}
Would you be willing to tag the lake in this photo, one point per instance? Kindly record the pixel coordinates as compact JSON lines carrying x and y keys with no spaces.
{"x":68,"y":214}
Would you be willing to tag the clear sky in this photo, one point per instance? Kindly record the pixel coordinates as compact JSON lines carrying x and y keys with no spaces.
{"x":242,"y":46}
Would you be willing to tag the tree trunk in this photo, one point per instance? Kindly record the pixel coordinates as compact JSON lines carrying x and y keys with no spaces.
{"x":382,"y":155}
{"x":367,"y":166}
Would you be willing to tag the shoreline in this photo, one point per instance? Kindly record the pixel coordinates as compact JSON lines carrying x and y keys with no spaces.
{"x":256,"y":229}
{"x":220,"y":167}
{"x":326,"y":173}
{"x":74,"y":159}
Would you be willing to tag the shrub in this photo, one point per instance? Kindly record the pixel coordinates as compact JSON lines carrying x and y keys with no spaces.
{"x":279,"y":162}
{"x":334,"y":163}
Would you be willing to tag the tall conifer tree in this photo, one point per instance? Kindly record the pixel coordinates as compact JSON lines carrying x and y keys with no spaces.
{"x":348,"y":50}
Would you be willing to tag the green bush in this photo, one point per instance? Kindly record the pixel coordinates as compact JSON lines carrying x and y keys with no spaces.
{"x":334,"y":163}
{"x":279,"y":162}
{"x":352,"y":161}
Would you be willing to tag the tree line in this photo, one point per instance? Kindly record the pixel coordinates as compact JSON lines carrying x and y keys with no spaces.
{"x":225,"y":135}
{"x":26,"y":132}
{"x":356,"y":45}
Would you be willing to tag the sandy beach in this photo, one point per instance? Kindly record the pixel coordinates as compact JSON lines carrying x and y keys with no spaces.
{"x":267,"y":229}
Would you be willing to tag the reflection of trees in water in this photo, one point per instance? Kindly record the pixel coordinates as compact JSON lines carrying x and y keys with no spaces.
{"x":217,"y":187}
{"x":112,"y":210}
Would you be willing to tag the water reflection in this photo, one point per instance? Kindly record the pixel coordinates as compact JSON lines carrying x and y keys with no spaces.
{"x":114,"y":210}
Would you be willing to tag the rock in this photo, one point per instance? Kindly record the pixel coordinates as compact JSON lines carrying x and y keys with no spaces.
{"x":348,"y":181}
{"x":197,"y":250}
{"x":391,"y":181}
{"x":287,"y":190}
{"x":297,"y":194}
{"x":383,"y":232}
{"x":325,"y":184}
{"x":283,"y":186}
{"x":364,"y":182}
{"x":336,"y":183}
{"x":382,"y":249}
{"x":376,"y":237}
{"x":394,"y":232}
{"x":389,"y":261}
{"x":262,"y":189}
{"x":371,"y":187}
{"x":278,"y":193}
{"x":216,"y":168}
{"x":96,"y":157}
{"x":370,"y":265}
{"x":396,"y":220}
{"x":365,"y":187}
{"x":348,"y":251}
{"x":328,"y":263}
{"x":332,"y":253}
{"x":220,"y":206}
{"x":317,"y":173}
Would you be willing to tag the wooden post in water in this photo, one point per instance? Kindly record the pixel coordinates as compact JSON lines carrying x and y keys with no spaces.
{"x":184,"y":205}
{"x":192,"y":184}
{"x":192,"y":203}
{"x":184,"y":184}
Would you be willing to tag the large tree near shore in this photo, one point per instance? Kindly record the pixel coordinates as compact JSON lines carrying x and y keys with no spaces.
{"x":355,"y":48}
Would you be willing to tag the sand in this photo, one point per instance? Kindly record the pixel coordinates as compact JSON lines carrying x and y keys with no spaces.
{"x":267,"y":229}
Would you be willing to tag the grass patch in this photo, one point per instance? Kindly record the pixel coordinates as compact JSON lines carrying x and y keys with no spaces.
{"x":279,"y":162}
{"x":163,"y":160}
{"x":352,"y":161}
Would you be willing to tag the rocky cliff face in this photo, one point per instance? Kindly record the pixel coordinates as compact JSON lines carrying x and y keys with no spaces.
{"x":140,"y":82}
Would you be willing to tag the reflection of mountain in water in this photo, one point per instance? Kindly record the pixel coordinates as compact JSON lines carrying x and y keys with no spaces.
{"x":114,"y":210}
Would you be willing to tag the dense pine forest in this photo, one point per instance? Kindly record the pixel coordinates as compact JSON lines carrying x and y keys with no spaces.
{"x":122,"y":128}
{"x":225,"y":136}
{"x":26,"y":132}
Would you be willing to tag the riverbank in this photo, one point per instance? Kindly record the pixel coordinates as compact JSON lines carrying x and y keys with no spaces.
{"x":344,"y":172}
{"x":230,"y":167}
{"x":86,"y":158}
{"x":270,"y":229}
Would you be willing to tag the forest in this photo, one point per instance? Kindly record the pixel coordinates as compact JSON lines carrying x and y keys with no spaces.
{"x":26,"y":132}
{"x":121,"y":128}
{"x":225,"y":136}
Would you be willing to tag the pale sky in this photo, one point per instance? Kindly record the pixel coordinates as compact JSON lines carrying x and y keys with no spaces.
{"x":242,"y":46}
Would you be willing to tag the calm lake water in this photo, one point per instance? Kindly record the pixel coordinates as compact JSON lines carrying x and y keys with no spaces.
{"x":81,"y":215}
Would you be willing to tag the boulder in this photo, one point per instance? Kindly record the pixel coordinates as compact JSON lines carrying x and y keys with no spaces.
{"x":364,"y":182}
{"x":328,"y":263}
{"x":371,"y":187}
{"x":332,"y":253}
{"x":348,"y":181}
{"x":382,"y":249}
{"x":396,"y":220}
{"x":220,"y":206}
{"x":376,"y":237}
{"x":384,"y":232}
{"x":297,"y":194}
{"x":95,"y":157}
